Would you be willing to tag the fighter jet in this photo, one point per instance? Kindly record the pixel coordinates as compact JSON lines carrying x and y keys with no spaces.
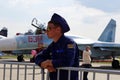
{"x":105,"y":46}
{"x":24,"y":43}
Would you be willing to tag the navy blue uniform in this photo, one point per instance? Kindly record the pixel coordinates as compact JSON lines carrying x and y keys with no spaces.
{"x":63,"y":53}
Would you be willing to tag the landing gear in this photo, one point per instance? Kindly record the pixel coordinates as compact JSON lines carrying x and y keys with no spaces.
{"x":20,"y":58}
{"x":115,"y":64}
{"x":32,"y":59}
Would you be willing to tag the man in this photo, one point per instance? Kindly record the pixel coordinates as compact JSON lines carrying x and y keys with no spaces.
{"x":86,"y":61}
{"x":62,"y":52}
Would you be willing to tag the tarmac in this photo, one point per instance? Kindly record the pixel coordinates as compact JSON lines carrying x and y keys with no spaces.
{"x":98,"y":65}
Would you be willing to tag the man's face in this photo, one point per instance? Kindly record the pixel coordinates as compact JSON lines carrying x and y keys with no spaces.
{"x":51,"y":30}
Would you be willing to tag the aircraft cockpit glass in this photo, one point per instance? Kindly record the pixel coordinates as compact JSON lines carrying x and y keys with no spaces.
{"x":40,"y":27}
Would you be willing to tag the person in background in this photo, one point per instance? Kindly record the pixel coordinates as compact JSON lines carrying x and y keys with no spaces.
{"x":33,"y":53}
{"x":62,"y":52}
{"x":86,"y":61}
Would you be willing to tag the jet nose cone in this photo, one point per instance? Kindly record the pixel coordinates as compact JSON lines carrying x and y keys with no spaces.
{"x":7,"y":44}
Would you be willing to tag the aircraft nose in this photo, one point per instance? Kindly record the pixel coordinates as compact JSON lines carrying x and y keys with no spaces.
{"x":8,"y":44}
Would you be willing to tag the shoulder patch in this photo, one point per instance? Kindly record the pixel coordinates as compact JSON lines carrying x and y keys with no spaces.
{"x":70,"y":46}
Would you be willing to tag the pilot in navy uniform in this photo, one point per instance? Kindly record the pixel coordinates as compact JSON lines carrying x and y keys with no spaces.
{"x":62,"y":52}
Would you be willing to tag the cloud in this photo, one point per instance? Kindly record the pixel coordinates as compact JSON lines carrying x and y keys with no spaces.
{"x":25,"y":3}
{"x":83,"y":19}
{"x":105,"y":5}
{"x":77,"y":13}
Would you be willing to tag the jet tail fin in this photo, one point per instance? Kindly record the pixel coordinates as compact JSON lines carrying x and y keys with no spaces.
{"x":4,"y":31}
{"x":108,"y":35}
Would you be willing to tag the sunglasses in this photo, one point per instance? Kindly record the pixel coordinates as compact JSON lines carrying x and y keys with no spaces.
{"x":50,"y":28}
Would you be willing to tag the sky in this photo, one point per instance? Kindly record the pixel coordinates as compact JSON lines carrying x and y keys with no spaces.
{"x":85,"y":17}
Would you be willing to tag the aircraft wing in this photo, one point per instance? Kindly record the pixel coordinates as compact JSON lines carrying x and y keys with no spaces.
{"x":1,"y":37}
{"x":108,"y":46}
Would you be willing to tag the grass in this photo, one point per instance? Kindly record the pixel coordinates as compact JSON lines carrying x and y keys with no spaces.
{"x":10,"y":56}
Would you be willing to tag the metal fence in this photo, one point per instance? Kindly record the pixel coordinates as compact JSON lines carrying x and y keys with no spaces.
{"x":94,"y":73}
{"x":29,"y":71}
{"x":20,"y":71}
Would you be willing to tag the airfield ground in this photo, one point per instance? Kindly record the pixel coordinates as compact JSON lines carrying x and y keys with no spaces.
{"x":95,"y":65}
